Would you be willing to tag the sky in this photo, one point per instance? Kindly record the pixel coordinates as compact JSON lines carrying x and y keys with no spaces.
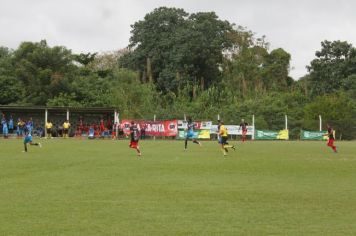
{"x":104,"y":25}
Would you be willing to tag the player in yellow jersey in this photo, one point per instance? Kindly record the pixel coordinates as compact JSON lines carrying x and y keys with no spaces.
{"x":49,"y":126}
{"x":224,"y":144}
{"x":66,"y":126}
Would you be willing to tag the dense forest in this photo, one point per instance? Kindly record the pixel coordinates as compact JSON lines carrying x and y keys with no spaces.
{"x":196,"y":64}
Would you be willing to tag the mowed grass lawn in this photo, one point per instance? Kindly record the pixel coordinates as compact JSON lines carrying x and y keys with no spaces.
{"x":82,"y":187}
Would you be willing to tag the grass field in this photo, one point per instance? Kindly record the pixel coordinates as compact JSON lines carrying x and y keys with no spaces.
{"x":82,"y":187}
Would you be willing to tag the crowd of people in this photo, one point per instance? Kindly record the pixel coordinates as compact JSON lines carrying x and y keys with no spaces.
{"x":18,"y":127}
{"x":102,"y":129}
{"x":98,"y":128}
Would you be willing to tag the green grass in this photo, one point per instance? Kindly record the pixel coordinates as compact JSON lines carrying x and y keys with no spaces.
{"x":82,"y":187}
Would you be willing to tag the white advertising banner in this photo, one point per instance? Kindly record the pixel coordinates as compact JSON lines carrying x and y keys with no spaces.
{"x":199,"y":125}
{"x":232,"y":129}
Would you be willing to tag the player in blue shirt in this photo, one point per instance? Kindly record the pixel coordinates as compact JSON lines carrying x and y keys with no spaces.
{"x":29,"y":125}
{"x":5,"y":129}
{"x":190,"y":133}
{"x":11,"y":125}
{"x":28,"y":140}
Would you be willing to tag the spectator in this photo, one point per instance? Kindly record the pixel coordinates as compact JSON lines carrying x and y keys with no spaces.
{"x":66,"y":126}
{"x":49,"y":127}
{"x":11,"y":125}
{"x":91,"y":134}
{"x":113,"y":131}
{"x":143,"y":131}
{"x":20,"y":127}
{"x":108,"y":123}
{"x":39,"y":131}
{"x":29,"y":125}
{"x":5,"y":128}
{"x":102,"y":125}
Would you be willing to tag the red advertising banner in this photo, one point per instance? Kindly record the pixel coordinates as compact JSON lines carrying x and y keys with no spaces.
{"x":166,"y":128}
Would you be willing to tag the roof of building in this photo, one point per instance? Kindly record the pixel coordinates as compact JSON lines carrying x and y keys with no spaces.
{"x":57,"y":109}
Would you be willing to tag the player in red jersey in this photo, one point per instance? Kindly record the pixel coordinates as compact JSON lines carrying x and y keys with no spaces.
{"x":134,"y":133}
{"x":331,"y":136}
{"x":243,"y":126}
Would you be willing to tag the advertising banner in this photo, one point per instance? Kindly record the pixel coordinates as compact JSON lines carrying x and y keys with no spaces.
{"x":313,"y":135}
{"x":198,"y":134}
{"x":232,"y":129}
{"x":272,"y":135}
{"x":167,"y":128}
{"x":201,"y":129}
{"x":198,"y":125}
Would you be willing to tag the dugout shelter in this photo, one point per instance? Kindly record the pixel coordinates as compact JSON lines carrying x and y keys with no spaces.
{"x":57,"y":115}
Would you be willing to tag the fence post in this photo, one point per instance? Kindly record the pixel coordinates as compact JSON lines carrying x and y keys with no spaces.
{"x":46,"y":118}
{"x":115,"y":116}
{"x":154,"y":119}
{"x":253,"y":127}
{"x":68,"y":114}
{"x":286,"y":122}
{"x":320,"y":123}
{"x":117,"y":123}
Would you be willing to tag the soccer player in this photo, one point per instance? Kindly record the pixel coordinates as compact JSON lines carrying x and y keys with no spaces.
{"x":66,"y":126}
{"x":331,"y":136}
{"x":28,"y":139}
{"x":243,"y":126}
{"x":190,"y":133}
{"x":134,"y":134}
{"x":49,"y":126}
{"x":224,"y":136}
{"x":5,"y":128}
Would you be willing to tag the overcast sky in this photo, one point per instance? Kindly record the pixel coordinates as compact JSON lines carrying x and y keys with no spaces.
{"x":104,"y":25}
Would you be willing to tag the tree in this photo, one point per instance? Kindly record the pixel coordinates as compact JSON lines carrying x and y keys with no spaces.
{"x":277,"y":70}
{"x":206,"y":39}
{"x":84,"y":58}
{"x":250,"y":69}
{"x":44,"y":71}
{"x":173,"y":49}
{"x":11,"y":89}
{"x":153,"y":41}
{"x":333,"y":67}
{"x":337,"y":109}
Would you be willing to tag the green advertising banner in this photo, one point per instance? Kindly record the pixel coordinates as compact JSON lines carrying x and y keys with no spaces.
{"x":313,"y":135}
{"x":272,"y":135}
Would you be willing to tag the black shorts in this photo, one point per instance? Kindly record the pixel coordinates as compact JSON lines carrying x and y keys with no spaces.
{"x":223,"y":140}
{"x":65,"y":131}
{"x":49,"y":131}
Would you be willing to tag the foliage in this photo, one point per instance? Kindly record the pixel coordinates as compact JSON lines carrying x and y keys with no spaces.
{"x":194,"y":64}
{"x":172,"y":48}
{"x":334,"y":68}
{"x":44,"y":71}
{"x":339,"y":110}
